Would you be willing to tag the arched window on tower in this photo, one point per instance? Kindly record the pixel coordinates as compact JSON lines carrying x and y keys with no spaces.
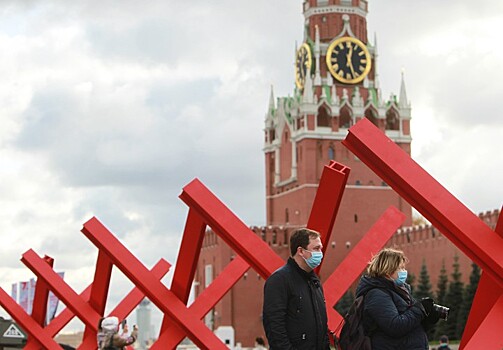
{"x":392,"y":120}
{"x":323,"y":118}
{"x":345,"y":118}
{"x":371,"y":115}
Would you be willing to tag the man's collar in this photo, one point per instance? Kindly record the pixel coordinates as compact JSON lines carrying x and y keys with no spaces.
{"x":306,"y":274}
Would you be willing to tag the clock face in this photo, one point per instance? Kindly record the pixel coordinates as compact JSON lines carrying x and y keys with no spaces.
{"x":303,"y":62}
{"x":348,"y":60}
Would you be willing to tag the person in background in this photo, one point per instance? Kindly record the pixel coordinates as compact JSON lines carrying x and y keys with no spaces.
{"x":444,"y":343}
{"x":294,"y":311}
{"x":392,"y":318}
{"x":125,"y":330}
{"x":108,"y":334}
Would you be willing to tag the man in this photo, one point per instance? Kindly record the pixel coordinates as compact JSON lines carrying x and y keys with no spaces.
{"x":294,"y":313}
{"x":444,"y":343}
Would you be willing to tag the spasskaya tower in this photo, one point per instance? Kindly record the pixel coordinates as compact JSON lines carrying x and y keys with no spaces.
{"x":336,"y":84}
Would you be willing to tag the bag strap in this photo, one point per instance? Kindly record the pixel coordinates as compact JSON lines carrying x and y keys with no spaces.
{"x":334,"y":334}
{"x":111,"y":345}
{"x":339,"y":327}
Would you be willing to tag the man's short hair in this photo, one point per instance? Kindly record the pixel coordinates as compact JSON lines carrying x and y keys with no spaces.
{"x":300,"y":238}
{"x":444,"y":339}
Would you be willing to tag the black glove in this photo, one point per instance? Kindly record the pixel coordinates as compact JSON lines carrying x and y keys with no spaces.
{"x":428,"y":305}
{"x":432,"y":315}
{"x":429,"y":321}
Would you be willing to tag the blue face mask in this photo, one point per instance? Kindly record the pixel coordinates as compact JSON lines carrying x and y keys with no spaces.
{"x":315,"y":260}
{"x":402,"y":277}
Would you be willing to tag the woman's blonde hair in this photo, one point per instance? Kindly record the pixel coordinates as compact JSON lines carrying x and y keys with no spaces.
{"x":386,"y":262}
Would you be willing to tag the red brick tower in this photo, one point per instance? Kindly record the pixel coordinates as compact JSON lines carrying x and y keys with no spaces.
{"x":336,"y":85}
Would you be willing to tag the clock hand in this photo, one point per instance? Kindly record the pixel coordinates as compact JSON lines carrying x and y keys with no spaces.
{"x":348,"y":60}
{"x":303,"y":67}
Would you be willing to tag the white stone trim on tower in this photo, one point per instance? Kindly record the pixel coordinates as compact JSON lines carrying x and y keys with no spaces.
{"x":294,"y":158}
{"x":334,"y":9}
{"x":307,"y":96}
{"x":329,"y":80}
{"x":346,"y":29}
{"x":276,"y":165}
{"x":335,"y":99}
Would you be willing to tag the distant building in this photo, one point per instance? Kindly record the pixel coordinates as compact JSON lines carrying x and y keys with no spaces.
{"x":11,"y":335}
{"x":144,"y":322}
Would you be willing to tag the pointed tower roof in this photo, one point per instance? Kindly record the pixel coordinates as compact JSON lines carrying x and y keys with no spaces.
{"x":271,"y":100}
{"x":376,"y":73}
{"x":308,"y":90}
{"x":402,"y":100}
{"x":335,"y":98}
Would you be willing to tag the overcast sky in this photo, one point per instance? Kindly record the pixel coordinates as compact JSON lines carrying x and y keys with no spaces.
{"x":108,"y":108}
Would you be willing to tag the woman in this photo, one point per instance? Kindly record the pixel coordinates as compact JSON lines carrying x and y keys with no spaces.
{"x":391,"y":317}
{"x":108,"y":334}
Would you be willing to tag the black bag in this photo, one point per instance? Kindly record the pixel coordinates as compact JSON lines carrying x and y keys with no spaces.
{"x":110,"y":340}
{"x":353,"y":335}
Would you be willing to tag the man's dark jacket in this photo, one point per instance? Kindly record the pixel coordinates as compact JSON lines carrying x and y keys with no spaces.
{"x":393,"y":313}
{"x":294,"y":313}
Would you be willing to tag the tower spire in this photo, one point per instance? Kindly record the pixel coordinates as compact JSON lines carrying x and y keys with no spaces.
{"x":402,"y":100}
{"x":308,"y":90}
{"x":271,"y":100}
{"x":376,"y":73}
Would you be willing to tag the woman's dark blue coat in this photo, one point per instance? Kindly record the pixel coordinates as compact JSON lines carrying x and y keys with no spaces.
{"x":391,"y":315}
